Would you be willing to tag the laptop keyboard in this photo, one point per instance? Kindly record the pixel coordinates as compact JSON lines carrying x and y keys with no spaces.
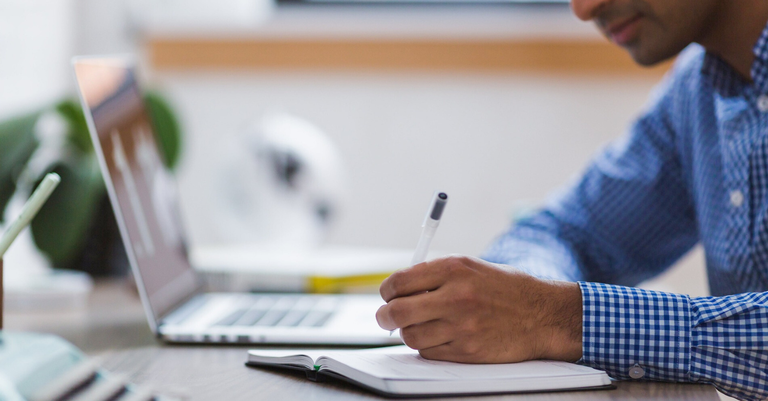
{"x":281,"y":311}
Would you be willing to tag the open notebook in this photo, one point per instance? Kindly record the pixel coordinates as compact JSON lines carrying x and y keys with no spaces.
{"x":400,"y":371}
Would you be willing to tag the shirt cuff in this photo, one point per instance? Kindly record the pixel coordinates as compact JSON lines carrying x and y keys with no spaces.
{"x":636,"y":334}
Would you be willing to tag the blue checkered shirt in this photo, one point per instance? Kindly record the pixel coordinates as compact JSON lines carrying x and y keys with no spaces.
{"x":693,"y":168}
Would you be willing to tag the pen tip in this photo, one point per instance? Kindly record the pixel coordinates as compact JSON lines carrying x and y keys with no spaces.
{"x":53,"y":177}
{"x":442,"y":195}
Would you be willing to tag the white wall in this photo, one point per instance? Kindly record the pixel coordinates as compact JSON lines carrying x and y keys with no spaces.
{"x":492,"y":142}
{"x":39,"y":37}
{"x":488,"y":141}
{"x":36,"y":42}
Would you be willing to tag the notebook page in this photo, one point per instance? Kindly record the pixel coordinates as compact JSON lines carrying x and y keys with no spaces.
{"x":295,"y":357}
{"x":314,"y":354}
{"x":406,"y":364}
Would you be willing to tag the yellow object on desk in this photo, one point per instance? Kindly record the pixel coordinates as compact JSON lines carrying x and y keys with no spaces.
{"x":363,"y":283}
{"x":327,"y":269}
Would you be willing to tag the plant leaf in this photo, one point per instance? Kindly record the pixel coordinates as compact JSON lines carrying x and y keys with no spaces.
{"x":77,"y":132}
{"x":166,"y":127}
{"x":60,"y":228}
{"x":17,"y":144}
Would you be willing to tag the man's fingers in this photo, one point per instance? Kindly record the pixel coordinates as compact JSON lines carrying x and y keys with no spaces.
{"x":425,"y":276}
{"x":428,"y":334}
{"x":457,"y":351}
{"x":405,"y":311}
{"x":442,"y":352}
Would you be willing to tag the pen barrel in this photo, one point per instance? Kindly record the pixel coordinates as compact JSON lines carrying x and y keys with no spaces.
{"x":420,"y":255}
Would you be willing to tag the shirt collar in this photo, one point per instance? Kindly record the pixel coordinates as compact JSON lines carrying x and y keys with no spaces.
{"x":724,"y":78}
{"x":759,"y":69}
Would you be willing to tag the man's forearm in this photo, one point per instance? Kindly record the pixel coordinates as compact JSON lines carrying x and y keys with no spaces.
{"x":536,"y":251}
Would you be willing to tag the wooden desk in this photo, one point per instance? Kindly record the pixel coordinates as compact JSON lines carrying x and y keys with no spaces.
{"x":211,"y":373}
{"x":114,"y":329}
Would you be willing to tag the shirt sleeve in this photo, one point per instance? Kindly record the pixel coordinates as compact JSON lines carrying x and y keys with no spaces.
{"x":649,"y":335}
{"x":627,"y":218}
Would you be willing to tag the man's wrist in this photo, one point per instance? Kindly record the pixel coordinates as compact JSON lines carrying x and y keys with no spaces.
{"x":562,"y":322}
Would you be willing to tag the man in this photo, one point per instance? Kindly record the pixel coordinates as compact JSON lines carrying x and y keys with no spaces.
{"x":693,"y":168}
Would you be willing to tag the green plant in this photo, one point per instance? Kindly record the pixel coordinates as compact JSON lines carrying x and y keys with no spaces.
{"x":62,"y":226}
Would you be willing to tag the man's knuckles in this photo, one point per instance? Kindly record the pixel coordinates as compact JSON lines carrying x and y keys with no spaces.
{"x":394,"y":285}
{"x":470,"y":349}
{"x":455,"y":266}
{"x":393,"y":315}
{"x":399,"y":313}
{"x":440,"y":353}
{"x":413,"y":337}
{"x":464,"y":296}
{"x":470,"y":327}
{"x":457,"y":351}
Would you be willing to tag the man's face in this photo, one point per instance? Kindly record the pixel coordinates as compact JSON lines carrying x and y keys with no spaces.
{"x":650,"y":30}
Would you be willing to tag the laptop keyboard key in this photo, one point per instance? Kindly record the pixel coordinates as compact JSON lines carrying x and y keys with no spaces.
{"x":323,"y":319}
{"x":306,"y":302}
{"x":250,"y":317}
{"x":285,"y":303}
{"x":264,"y":302}
{"x":231,"y":318}
{"x":293,"y":318}
{"x":316,"y":319}
{"x":271,"y":318}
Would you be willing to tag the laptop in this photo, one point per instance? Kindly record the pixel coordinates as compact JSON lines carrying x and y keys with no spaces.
{"x":143,"y":196}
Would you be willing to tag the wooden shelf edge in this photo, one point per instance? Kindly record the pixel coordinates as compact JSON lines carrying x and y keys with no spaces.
{"x":494,"y":56}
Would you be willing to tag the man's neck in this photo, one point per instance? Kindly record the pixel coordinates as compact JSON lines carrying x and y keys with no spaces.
{"x":735,"y":31}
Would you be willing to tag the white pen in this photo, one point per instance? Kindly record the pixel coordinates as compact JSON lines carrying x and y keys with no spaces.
{"x":429,"y":228}
{"x":29,"y":211}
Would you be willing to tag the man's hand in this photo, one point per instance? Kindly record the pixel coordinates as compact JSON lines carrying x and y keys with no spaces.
{"x":467,"y":310}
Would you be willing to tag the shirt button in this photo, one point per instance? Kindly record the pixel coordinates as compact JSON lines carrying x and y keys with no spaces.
{"x":636,"y":372}
{"x":737,"y":198}
{"x":762,"y":103}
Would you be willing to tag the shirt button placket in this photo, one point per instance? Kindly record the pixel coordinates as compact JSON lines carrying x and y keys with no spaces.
{"x":737,"y":176}
{"x":737,"y":198}
{"x":762,"y":103}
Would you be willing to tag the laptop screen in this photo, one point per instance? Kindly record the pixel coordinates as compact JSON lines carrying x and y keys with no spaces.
{"x":141,"y":189}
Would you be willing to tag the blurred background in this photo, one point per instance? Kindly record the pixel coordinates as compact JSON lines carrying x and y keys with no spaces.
{"x":497,"y":104}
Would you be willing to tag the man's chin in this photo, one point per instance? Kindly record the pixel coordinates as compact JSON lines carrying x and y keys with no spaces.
{"x":649,"y":58}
